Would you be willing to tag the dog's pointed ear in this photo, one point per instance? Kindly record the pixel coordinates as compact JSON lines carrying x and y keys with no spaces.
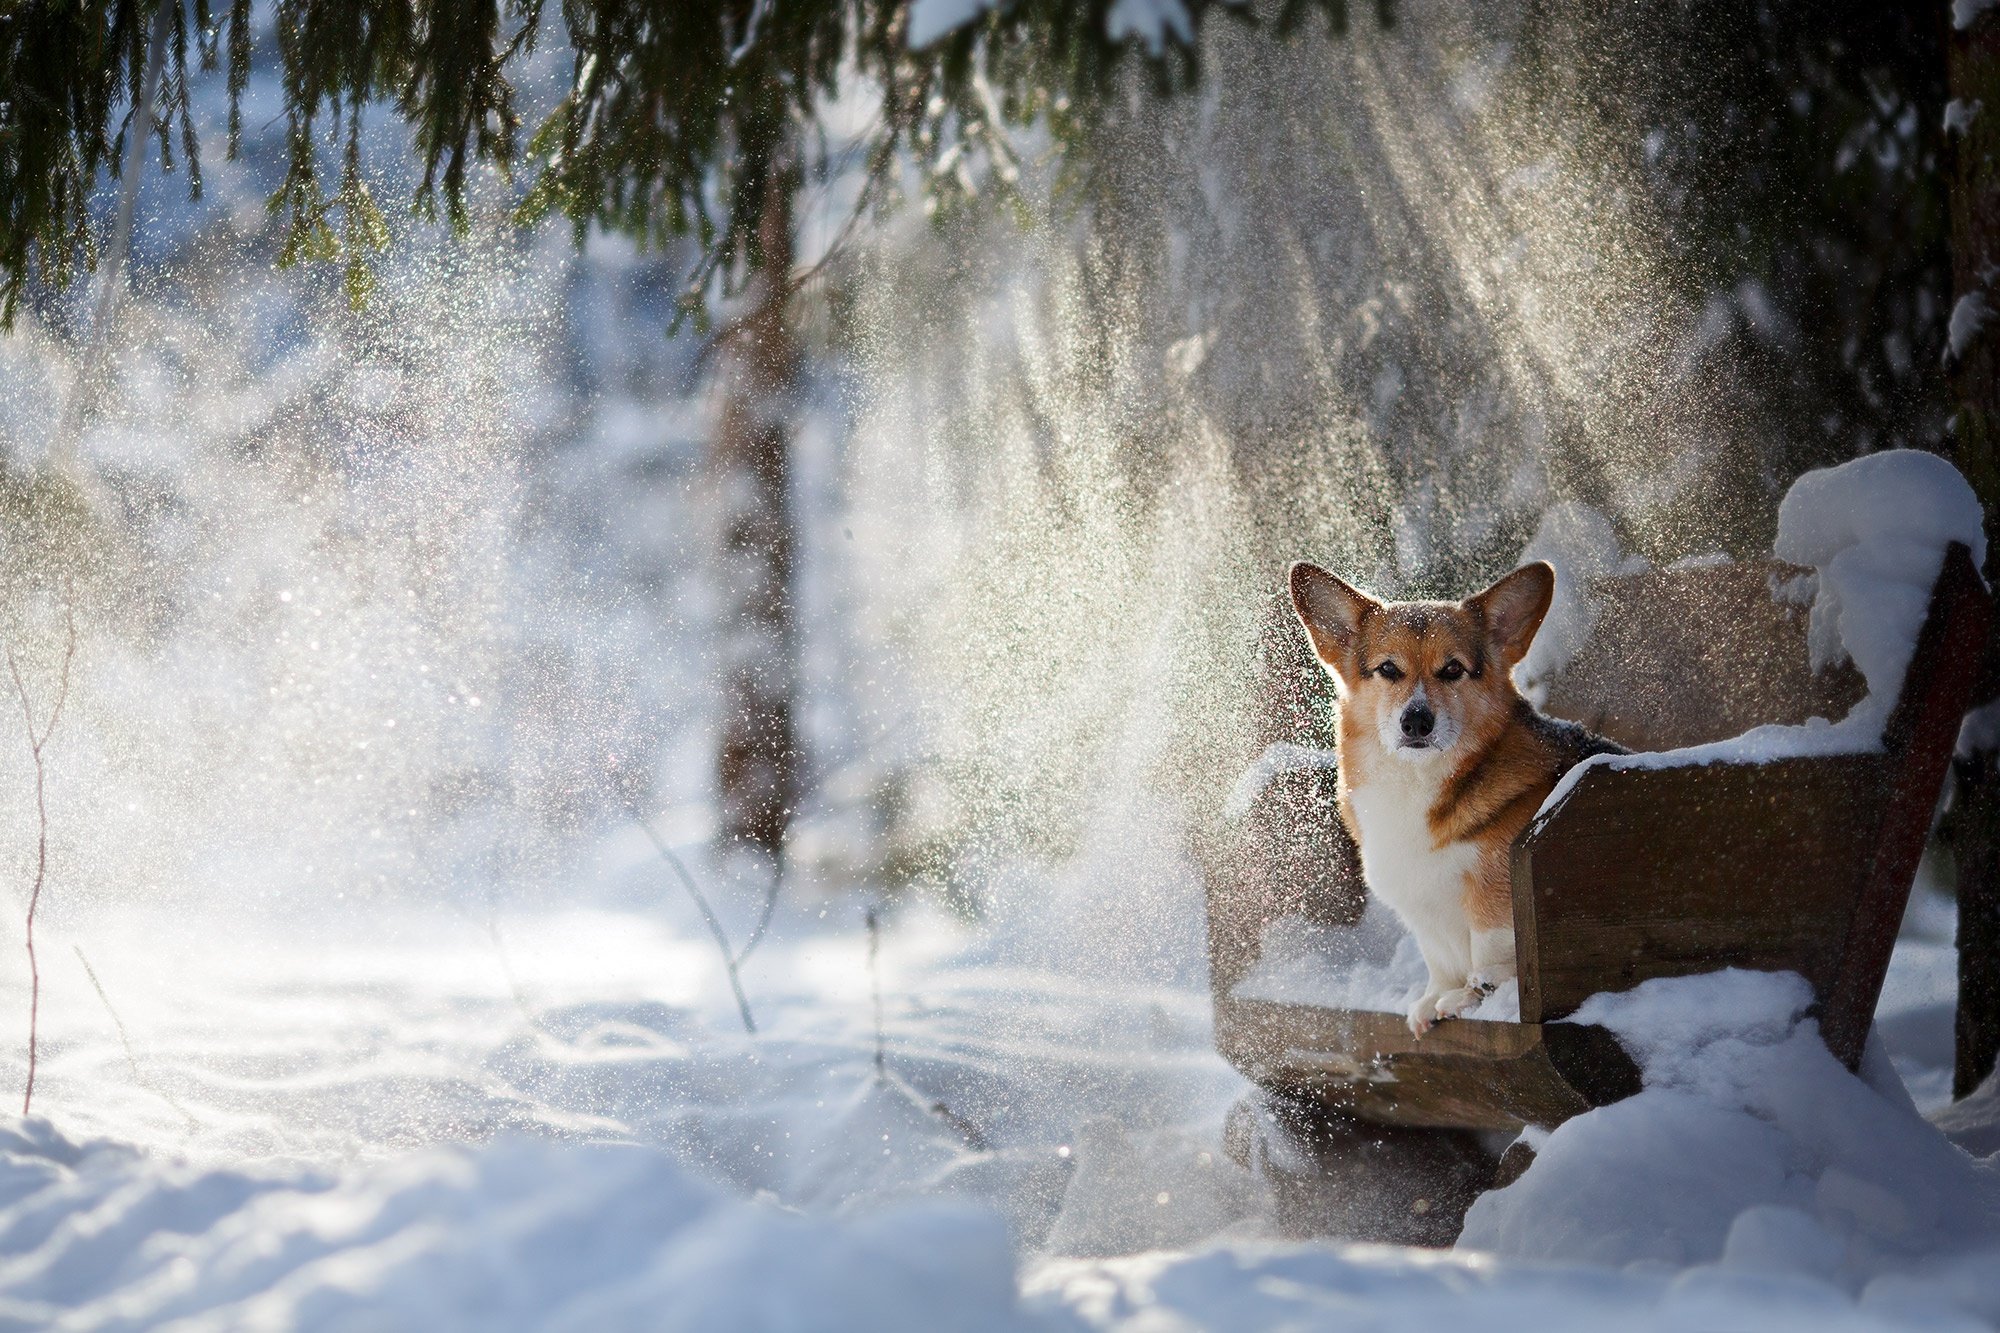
{"x":1331,"y":611}
{"x":1512,"y":610}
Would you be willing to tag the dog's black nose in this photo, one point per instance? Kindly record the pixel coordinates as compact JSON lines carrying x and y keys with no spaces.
{"x":1418,"y":721}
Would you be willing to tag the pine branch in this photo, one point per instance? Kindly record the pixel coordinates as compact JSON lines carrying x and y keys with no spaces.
{"x":674,"y":116}
{"x":111,"y":280}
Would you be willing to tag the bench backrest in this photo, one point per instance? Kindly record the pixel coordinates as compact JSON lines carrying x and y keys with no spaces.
{"x":1802,"y":863}
{"x":1679,"y":657}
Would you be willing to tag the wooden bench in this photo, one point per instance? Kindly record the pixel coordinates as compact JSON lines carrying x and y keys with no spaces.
{"x":1802,"y":864}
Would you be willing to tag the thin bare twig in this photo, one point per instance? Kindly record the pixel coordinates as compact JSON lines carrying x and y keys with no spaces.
{"x":874,"y":921}
{"x":964,"y":1128}
{"x":730,"y":961}
{"x":763,"y":925}
{"x":125,"y":1040}
{"x":36,"y":741}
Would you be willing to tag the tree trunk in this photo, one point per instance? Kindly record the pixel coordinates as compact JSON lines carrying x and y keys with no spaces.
{"x":1976,"y":839}
{"x":1973,"y":80}
{"x":758,"y":760}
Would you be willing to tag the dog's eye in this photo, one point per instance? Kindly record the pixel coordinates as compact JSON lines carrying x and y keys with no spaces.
{"x":1451,"y":670}
{"x":1389,"y":671}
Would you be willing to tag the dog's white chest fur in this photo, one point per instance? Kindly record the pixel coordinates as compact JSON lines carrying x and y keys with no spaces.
{"x":1423,"y":882}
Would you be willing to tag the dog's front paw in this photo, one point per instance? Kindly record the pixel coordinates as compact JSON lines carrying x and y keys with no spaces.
{"x":1455,"y":1002}
{"x":1424,"y":1014}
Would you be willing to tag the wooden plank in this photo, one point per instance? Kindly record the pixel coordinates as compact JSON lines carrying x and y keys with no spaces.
{"x":1273,"y":1026}
{"x":1646,"y":873}
{"x":1944,"y":672}
{"x":1466,"y":1074}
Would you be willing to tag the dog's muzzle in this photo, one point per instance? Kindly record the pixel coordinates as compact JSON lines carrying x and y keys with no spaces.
{"x":1417,"y":722}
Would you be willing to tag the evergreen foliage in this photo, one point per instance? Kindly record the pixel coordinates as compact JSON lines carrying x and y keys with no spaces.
{"x":680,"y":116}
{"x":1796,"y":145}
{"x":65,"y":70}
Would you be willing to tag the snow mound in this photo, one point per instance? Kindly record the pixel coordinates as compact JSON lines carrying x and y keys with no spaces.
{"x":517,"y":1234}
{"x":1973,"y":1122}
{"x":1384,"y":1289}
{"x":1876,"y":529}
{"x":1752,"y":1150}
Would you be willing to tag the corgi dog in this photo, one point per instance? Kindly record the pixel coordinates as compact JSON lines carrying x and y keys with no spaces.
{"x":1441,"y":762}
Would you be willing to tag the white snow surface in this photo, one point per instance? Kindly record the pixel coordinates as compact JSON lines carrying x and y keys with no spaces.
{"x":519,"y":1234}
{"x":1875,"y":528}
{"x":1752,"y":1153}
{"x":550,"y":1120}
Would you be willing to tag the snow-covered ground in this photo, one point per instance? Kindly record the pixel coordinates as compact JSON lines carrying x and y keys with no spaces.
{"x":320,"y":1054}
{"x":418,"y":1117}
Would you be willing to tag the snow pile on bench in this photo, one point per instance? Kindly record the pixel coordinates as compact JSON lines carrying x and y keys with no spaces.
{"x":1373,"y":964}
{"x":1752,"y":1149}
{"x":1875,"y":529}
